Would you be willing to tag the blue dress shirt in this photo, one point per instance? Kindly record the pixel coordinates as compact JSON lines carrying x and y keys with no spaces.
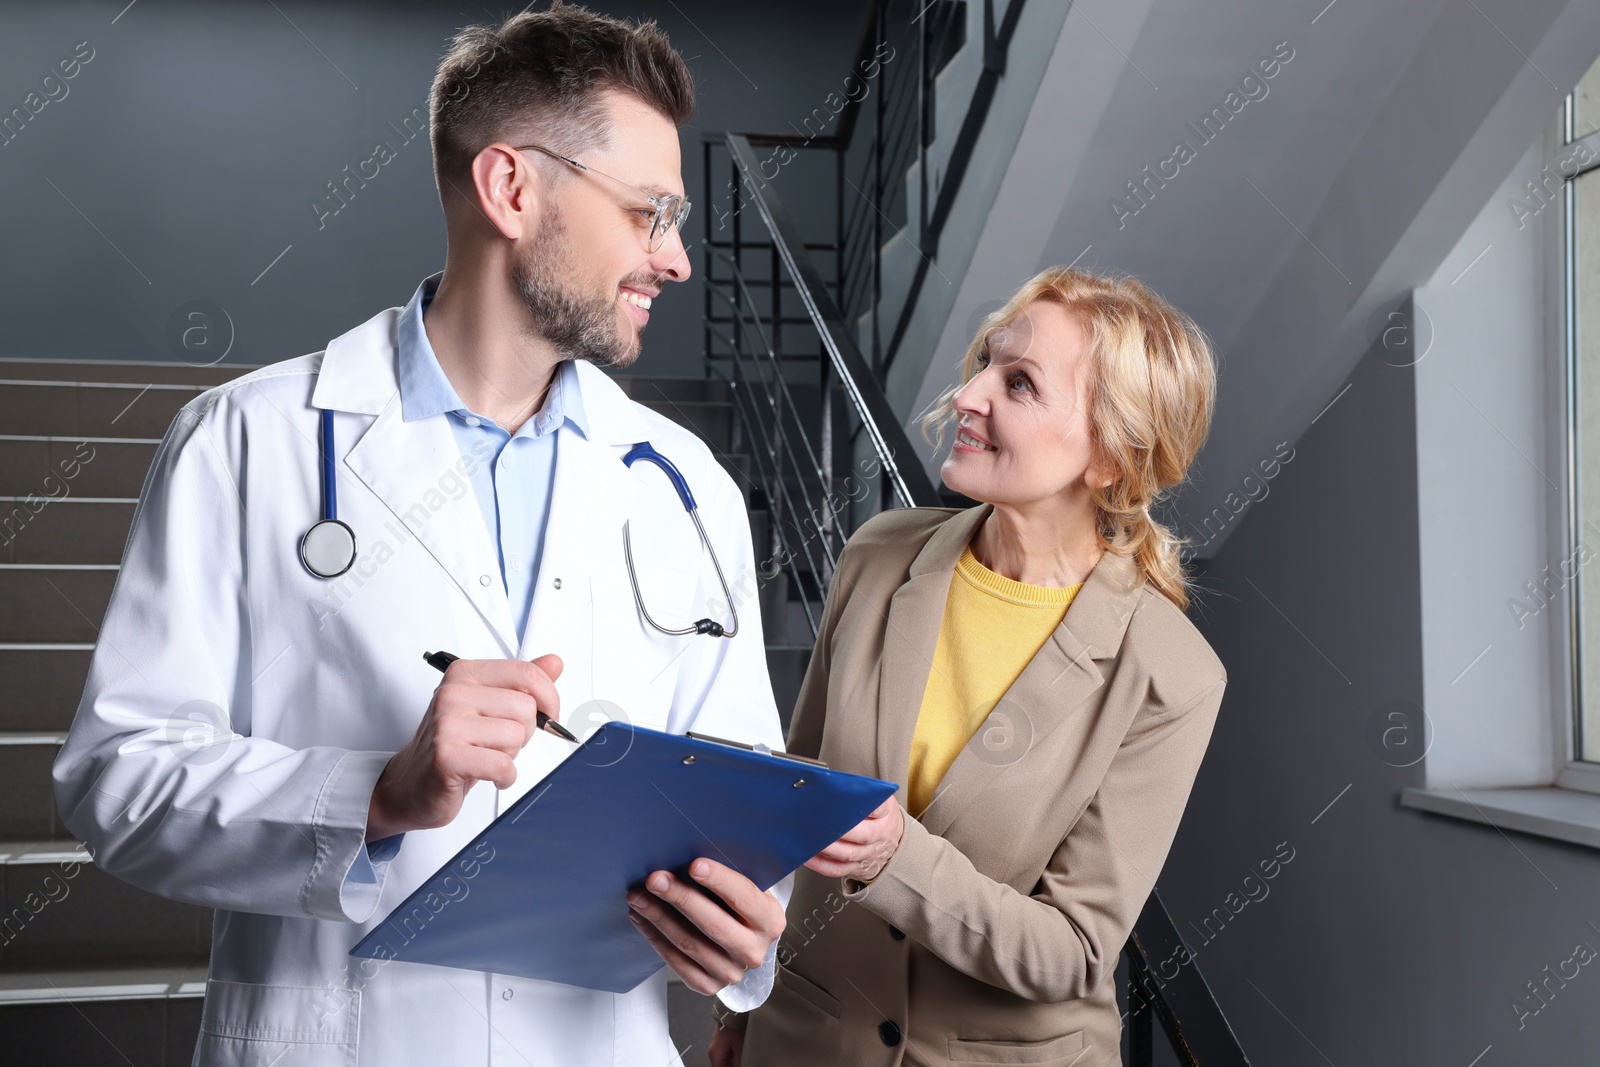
{"x":512,"y":474}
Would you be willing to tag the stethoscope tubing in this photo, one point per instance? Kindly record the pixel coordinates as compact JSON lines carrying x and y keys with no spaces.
{"x":643,"y":450}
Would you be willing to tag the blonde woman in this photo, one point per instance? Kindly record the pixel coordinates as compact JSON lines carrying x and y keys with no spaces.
{"x":1024,"y":669}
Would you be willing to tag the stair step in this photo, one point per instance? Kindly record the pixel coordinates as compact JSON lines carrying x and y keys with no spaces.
{"x":101,"y":983}
{"x":64,"y":605}
{"x":58,"y":909}
{"x":69,"y":530}
{"x":74,"y":466}
{"x":27,"y":796}
{"x":146,"y":1015}
{"x":42,"y":686}
{"x":102,"y":409}
{"x":710,"y":420}
{"x":644,"y":388}
{"x":121,"y":370}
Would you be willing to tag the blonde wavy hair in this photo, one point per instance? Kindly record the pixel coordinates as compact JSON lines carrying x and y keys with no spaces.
{"x":1152,"y":391}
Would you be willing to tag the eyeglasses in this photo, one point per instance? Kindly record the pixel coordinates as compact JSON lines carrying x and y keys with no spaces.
{"x":668,"y":211}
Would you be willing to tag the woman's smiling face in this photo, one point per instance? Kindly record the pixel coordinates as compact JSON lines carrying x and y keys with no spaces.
{"x":1023,"y":431}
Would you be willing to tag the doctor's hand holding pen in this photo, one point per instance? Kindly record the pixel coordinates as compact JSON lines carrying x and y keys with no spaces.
{"x":481,"y":716}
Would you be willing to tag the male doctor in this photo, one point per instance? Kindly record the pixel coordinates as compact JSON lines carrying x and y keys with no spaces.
{"x":270,"y":743}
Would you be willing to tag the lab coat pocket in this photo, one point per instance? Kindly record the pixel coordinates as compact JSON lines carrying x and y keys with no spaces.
{"x":1054,"y":1052}
{"x":246,"y":1025}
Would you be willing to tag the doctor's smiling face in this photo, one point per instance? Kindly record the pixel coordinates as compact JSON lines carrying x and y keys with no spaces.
{"x":587,"y":274}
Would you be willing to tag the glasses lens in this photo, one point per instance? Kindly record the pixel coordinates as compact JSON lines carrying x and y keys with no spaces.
{"x":669,"y":213}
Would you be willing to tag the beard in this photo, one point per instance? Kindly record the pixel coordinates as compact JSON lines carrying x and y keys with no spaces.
{"x":578,"y":326}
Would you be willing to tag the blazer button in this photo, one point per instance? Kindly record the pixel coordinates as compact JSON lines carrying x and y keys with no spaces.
{"x":889,"y":1032}
{"x":896,"y":933}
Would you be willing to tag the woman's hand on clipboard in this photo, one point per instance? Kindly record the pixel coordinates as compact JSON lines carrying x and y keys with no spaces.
{"x":481,"y":716}
{"x":863,"y":853}
{"x":711,"y":941}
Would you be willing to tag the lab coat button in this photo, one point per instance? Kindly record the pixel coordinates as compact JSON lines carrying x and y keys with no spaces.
{"x":505,"y":994}
{"x":556,"y":583}
{"x":483,"y":579}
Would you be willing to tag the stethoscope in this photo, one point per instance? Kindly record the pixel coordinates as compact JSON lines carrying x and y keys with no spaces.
{"x":644,"y":451}
{"x":328,"y":549}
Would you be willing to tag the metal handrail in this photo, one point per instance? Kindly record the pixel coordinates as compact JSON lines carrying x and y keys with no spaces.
{"x":909,"y":481}
{"x":1189,"y":1014}
{"x":778,"y":376}
{"x":774,"y":456}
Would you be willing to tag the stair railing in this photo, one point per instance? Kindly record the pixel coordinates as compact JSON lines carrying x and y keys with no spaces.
{"x":782,"y":378}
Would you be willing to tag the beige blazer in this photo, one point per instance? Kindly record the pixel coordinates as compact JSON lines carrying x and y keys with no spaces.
{"x":992,"y":935}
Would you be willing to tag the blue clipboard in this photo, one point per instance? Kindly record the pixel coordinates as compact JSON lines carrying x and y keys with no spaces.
{"x":542,"y":891}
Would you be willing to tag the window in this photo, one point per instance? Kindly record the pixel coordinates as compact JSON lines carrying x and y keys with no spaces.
{"x":1577,"y":169}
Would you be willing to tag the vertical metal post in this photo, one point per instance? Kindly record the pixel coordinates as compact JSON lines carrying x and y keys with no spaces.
{"x":924,"y":132}
{"x":775,"y":267}
{"x":875,"y":254}
{"x":1141,"y":1014}
{"x":706,"y":331}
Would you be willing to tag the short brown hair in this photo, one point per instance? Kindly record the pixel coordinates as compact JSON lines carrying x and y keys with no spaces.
{"x":538,"y":76}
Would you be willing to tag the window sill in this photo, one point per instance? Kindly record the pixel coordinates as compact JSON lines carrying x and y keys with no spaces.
{"x":1544,"y":811}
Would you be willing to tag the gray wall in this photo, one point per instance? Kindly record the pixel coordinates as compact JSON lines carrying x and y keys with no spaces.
{"x":1393,"y":937}
{"x":185,"y":155}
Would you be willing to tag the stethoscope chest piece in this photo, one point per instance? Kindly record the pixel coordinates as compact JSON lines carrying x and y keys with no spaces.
{"x":328,"y":549}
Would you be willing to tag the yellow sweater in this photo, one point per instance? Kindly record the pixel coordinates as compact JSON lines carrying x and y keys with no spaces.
{"x":993,"y":626}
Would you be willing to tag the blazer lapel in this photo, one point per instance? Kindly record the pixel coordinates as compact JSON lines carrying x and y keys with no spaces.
{"x":1057,"y":681}
{"x":911,"y":635}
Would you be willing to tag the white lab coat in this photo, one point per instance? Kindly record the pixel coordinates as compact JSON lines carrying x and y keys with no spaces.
{"x":238,"y":710}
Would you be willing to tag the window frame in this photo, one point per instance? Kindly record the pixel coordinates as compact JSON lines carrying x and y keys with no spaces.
{"x":1575,"y":773}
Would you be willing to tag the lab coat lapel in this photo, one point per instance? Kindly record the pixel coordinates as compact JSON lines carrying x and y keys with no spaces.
{"x":413,"y":467}
{"x":1049,"y":691}
{"x":409,"y":466}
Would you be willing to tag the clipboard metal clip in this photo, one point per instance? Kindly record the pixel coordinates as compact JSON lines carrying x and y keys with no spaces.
{"x":763,"y":749}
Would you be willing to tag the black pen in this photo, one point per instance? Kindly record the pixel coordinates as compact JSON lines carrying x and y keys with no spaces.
{"x":441,"y":660}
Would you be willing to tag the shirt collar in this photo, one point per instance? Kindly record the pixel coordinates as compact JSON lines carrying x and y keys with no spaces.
{"x":426,"y":391}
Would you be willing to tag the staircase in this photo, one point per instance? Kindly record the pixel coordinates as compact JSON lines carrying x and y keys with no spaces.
{"x":92,"y":970}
